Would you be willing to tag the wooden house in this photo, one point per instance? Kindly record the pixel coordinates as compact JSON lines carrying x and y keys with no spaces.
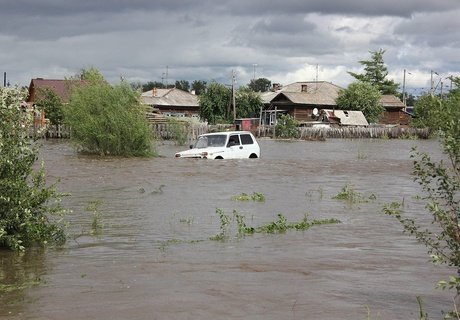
{"x":300,"y":99}
{"x":172,"y":102}
{"x":60,"y":87}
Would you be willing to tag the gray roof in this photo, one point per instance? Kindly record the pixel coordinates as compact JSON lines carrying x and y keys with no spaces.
{"x":348,"y":118}
{"x":169,"y":97}
{"x":307,"y":92}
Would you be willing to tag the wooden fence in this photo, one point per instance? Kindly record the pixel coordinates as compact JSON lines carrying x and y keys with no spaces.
{"x":311,"y":133}
{"x":190,"y":131}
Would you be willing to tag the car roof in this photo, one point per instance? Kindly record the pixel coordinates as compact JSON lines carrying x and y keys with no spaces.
{"x":226,"y":133}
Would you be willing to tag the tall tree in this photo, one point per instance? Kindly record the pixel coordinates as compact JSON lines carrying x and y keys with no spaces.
{"x":248,"y":103}
{"x":375,"y":72}
{"x":215,"y":102}
{"x":260,"y":85}
{"x":361,"y":96}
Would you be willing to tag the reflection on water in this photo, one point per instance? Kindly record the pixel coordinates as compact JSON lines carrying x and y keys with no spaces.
{"x":153,"y":258}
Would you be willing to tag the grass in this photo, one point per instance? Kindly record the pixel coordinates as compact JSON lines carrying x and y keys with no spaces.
{"x":256,"y":196}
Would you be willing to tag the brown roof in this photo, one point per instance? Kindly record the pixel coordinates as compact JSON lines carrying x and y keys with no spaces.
{"x":60,"y":87}
{"x":390,"y":101}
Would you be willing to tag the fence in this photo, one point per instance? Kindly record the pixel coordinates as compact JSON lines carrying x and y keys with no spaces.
{"x":311,"y":133}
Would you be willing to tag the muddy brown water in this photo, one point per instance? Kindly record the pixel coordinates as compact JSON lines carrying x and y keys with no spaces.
{"x":153,"y":258}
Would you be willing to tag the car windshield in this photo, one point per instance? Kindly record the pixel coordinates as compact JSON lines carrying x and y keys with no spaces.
{"x":217,"y":140}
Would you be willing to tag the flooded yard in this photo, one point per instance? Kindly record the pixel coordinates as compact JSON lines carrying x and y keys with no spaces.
{"x":152,"y":256}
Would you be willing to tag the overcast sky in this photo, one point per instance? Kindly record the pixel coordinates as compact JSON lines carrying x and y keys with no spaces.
{"x":282,"y":40}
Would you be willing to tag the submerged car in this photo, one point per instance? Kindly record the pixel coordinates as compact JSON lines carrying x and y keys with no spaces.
{"x":223,"y":145}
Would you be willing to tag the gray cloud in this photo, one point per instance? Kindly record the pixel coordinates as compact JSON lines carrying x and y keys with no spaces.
{"x":207,"y":39}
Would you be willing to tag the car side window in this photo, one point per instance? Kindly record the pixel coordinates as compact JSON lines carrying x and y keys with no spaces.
{"x":246,"y":139}
{"x":234,"y":140}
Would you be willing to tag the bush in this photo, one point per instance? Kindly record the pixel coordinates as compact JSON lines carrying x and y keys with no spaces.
{"x":108,"y":120}
{"x":287,"y":127}
{"x":27,"y":205}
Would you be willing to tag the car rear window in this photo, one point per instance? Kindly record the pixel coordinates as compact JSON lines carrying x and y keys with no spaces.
{"x":246,"y":139}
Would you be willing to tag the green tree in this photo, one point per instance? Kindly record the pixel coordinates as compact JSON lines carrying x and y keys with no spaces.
{"x":199,"y":86}
{"x":375,"y":72}
{"x":183,"y":85}
{"x":440,"y":182}
{"x":108,"y":120}
{"x":215,"y":103}
{"x":260,"y":85}
{"x":287,"y":127}
{"x":49,"y":101}
{"x":30,"y":210}
{"x":361,"y":96}
{"x":426,"y":111}
{"x":248,"y":103}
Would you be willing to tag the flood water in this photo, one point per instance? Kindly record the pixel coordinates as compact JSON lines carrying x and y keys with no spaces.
{"x":153,"y":257}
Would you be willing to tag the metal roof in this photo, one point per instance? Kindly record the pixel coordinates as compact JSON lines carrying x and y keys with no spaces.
{"x":169,"y":97}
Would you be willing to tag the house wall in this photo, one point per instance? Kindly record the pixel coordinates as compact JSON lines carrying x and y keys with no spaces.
{"x":397,"y":117}
{"x":302,"y":114}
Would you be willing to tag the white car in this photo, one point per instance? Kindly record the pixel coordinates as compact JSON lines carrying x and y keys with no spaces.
{"x":223,"y":145}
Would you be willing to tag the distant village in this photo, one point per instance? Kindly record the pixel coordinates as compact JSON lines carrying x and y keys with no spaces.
{"x":311,"y":103}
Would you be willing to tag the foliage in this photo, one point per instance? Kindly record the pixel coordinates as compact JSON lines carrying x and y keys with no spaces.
{"x":183,"y":85}
{"x":29,"y":209}
{"x":280,"y":225}
{"x":440,"y":183}
{"x":426,"y":111}
{"x":215,"y":103}
{"x":287,"y":127}
{"x":49,"y":101}
{"x":199,"y":86}
{"x":361,"y":96}
{"x":256,"y":196}
{"x":178,"y":131}
{"x":260,"y":85}
{"x":375,"y":73}
{"x":108,"y":120}
{"x":96,"y":223}
{"x":248,"y":103}
{"x":349,"y":194}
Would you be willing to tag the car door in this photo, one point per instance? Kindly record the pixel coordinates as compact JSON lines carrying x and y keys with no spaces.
{"x":234,"y":147}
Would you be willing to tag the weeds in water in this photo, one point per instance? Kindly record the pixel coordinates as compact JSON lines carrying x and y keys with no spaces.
{"x":256,"y":196}
{"x":96,"y":224}
{"x":280,"y":225}
{"x":349,"y":194}
{"x":188,"y":220}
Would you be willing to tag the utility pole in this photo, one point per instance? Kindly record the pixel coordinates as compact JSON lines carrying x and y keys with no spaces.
{"x":4,"y":79}
{"x":432,"y":83}
{"x":254,"y":65}
{"x":233,"y":94}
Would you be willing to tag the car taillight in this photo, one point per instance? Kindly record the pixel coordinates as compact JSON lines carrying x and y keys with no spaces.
{"x":177,"y":155}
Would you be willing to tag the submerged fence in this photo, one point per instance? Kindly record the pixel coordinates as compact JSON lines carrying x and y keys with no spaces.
{"x":186,"y":131}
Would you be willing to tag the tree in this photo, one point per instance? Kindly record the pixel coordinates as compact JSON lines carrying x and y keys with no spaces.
{"x":440,"y":182}
{"x":183,"y":85}
{"x":108,"y":120}
{"x":426,"y":111}
{"x":29,"y":209}
{"x":215,"y":103}
{"x":248,"y":103}
{"x":260,"y":85}
{"x":49,"y":101}
{"x":199,"y":86}
{"x":361,"y":96}
{"x":375,"y":73}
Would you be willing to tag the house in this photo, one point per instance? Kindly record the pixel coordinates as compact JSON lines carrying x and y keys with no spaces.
{"x":60,"y":87}
{"x":172,"y":102}
{"x":300,"y":99}
{"x":395,"y":111}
